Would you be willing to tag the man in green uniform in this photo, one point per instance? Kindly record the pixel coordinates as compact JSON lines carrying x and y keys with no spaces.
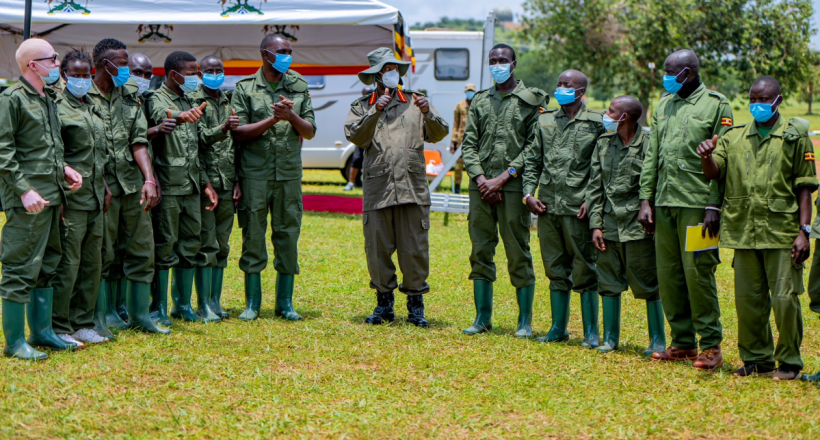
{"x":675,"y":195}
{"x":499,"y":126}
{"x":129,"y":176}
{"x":81,"y":229}
{"x":32,"y":170}
{"x":220,"y":169}
{"x":392,"y":125}
{"x":459,"y":125}
{"x":626,"y":255}
{"x":558,"y":164}
{"x":177,"y":219}
{"x":769,"y":174}
{"x":275,"y":113}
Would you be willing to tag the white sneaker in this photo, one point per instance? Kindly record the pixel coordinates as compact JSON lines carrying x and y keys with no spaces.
{"x":70,"y":340}
{"x":89,"y":336}
{"x":348,"y":187}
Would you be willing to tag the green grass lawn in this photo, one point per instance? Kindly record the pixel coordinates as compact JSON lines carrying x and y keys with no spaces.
{"x":332,"y":377}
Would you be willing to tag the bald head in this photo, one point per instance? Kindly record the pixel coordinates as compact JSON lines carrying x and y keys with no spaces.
{"x":680,"y":60}
{"x":629,"y":105}
{"x":573,"y":79}
{"x":32,"y":49}
{"x":767,"y":85}
{"x":140,"y":66}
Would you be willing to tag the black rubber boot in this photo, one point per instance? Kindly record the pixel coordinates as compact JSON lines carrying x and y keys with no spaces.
{"x":202,"y":279}
{"x":99,"y":312}
{"x":284,"y":297}
{"x":384,"y":309}
{"x":415,"y":311}
{"x":559,"y":303}
{"x":122,"y":297}
{"x":138,"y":300}
{"x":612,"y":323}
{"x":525,"y":297}
{"x":589,"y":315}
{"x":112,"y":318}
{"x":457,"y":188}
{"x":217,"y":276}
{"x":39,"y":321}
{"x":182,"y":288}
{"x":159,"y":298}
{"x":14,"y":329}
{"x":253,"y":296}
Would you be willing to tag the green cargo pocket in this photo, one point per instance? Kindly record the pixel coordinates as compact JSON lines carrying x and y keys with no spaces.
{"x":37,"y":167}
{"x":242,"y":214}
{"x":15,"y":245}
{"x":788,"y":205}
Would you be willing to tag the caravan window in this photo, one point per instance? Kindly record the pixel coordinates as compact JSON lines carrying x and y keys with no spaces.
{"x":315,"y":81}
{"x":452,"y":64}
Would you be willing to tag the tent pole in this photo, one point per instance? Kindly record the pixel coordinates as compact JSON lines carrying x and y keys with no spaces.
{"x":27,"y":24}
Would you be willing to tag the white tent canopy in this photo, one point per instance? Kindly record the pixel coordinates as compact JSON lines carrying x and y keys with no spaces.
{"x":329,"y":36}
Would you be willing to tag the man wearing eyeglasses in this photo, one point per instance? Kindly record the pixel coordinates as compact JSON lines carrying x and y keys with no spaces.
{"x":33,"y":173}
{"x":275,"y":114}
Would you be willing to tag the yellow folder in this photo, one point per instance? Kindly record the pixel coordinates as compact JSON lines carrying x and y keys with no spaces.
{"x":695,"y":241}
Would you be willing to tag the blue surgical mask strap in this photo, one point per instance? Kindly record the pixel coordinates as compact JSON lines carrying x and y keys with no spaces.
{"x":183,"y":78}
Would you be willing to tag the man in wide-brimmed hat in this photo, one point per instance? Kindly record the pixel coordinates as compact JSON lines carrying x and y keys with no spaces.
{"x":392,"y":125}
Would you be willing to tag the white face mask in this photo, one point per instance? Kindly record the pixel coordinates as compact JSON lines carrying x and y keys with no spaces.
{"x":391,"y":79}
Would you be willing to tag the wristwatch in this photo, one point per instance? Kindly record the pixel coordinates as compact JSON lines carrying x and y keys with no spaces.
{"x":526,"y":196}
{"x":512,"y":172}
{"x":806,"y":229}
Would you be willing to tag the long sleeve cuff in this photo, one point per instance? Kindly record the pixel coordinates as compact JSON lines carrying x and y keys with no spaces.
{"x":596,"y":221}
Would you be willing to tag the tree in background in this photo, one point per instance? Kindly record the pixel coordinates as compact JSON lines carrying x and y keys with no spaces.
{"x":812,"y":81}
{"x":615,"y":41}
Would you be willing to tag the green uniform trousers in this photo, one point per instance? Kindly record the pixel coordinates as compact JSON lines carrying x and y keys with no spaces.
{"x":78,"y":274}
{"x":402,"y":229}
{"x":128,"y":241}
{"x":511,"y":219}
{"x":757,"y":274}
{"x":284,"y":200}
{"x":628,"y":264}
{"x":30,"y":251}
{"x":568,"y":253}
{"x":177,"y":229}
{"x":814,"y":280}
{"x":687,"y":281}
{"x":216,"y":230}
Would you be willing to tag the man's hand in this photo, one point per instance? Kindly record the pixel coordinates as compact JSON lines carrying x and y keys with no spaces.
{"x":711,"y":223}
{"x":211,"y":194}
{"x":231,"y":124}
{"x":582,"y":212}
{"x":493,"y":198}
{"x":646,"y":217}
{"x":453,"y":147}
{"x":283,"y":110}
{"x":168,"y":125}
{"x":384,"y":100}
{"x":801,"y":248}
{"x":494,"y":185}
{"x":73,"y":178}
{"x":707,"y":147}
{"x":107,"y":198}
{"x":237,"y":191}
{"x":148,"y":197}
{"x":535,"y":206}
{"x":193,"y":114}
{"x":421,"y":102}
{"x":598,"y":239}
{"x":33,"y":202}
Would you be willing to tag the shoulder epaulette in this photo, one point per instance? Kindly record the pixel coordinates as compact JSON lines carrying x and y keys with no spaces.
{"x":532,"y":96}
{"x":595,"y":116}
{"x":373,"y":97}
{"x":401,"y":96}
{"x":800,"y":126}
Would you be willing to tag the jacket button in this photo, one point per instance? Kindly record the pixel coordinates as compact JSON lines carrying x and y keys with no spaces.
{"x":683,"y":165}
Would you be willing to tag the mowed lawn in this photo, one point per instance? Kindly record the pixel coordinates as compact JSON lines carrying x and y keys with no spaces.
{"x":331,"y":376}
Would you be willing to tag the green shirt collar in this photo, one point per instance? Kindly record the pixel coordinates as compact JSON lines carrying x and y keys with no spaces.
{"x":580,"y":116}
{"x":519,"y":86}
{"x":777,"y":128}
{"x":200,"y":93}
{"x":165,"y":90}
{"x":693,"y":98}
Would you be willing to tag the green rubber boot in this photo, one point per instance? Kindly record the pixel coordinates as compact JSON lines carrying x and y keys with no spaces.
{"x":138,"y":301}
{"x":14,"y":329}
{"x":182,"y":287}
{"x":559,"y":303}
{"x":284,"y":297}
{"x":159,"y":298}
{"x":39,"y":321}
{"x":217,"y":276}
{"x":122,"y":298}
{"x":483,"y":295}
{"x":99,"y":312}
{"x":253,"y":296}
{"x":655,"y":320}
{"x":202,"y":279}
{"x":525,"y":296}
{"x":589,"y":315}
{"x":612,"y":323}
{"x":112,"y":318}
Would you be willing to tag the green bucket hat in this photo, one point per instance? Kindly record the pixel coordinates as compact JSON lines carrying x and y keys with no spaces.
{"x":378,"y":58}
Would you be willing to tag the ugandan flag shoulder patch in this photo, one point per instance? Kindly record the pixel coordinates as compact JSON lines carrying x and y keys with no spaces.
{"x":726,"y":121}
{"x":372,"y":99}
{"x":810,"y":157}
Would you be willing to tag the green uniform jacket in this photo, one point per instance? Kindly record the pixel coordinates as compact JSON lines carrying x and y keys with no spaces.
{"x":125,"y":126}
{"x":31,"y":149}
{"x":393,"y":142}
{"x":560,"y":158}
{"x":277,"y":154}
{"x":219,"y":159}
{"x":499,"y":131}
{"x":762,"y":179}
{"x":672,"y":175}
{"x":614,"y":186}
{"x":83,"y":133}
{"x":176,"y":155}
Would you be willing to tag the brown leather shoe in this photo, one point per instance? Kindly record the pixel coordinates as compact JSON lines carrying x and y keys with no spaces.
{"x":675,"y":354}
{"x":709,"y":359}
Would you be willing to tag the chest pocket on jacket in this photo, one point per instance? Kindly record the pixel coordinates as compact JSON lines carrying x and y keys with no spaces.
{"x":698,"y":129}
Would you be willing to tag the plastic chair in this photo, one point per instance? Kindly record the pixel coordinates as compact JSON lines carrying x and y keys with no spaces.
{"x":434,"y":156}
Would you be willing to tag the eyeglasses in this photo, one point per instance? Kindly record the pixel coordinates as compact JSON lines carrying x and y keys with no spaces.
{"x":52,"y":58}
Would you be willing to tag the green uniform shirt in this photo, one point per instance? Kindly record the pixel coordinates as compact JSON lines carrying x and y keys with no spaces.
{"x":672,"y":175}
{"x":614,"y":186}
{"x":31,"y":149}
{"x":762,"y":179}
{"x":176,"y":155}
{"x":393,"y":171}
{"x":125,"y":126}
{"x":218,"y":158}
{"x":277,"y":154}
{"x":83,"y":133}
{"x":498,"y":132}
{"x":560,"y":158}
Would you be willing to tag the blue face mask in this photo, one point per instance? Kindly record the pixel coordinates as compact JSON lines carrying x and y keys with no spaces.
{"x":282,"y":63}
{"x":564,"y":96}
{"x":213,"y":81}
{"x":611,"y":124}
{"x":470,"y":96}
{"x":190,"y":84}
{"x":762,"y":112}
{"x":671,"y":84}
{"x":78,"y":87}
{"x":500,"y":72}
{"x":123,"y":73}
{"x":53,"y":75}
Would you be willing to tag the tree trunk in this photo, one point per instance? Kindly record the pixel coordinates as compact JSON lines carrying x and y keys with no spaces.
{"x":811,"y":96}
